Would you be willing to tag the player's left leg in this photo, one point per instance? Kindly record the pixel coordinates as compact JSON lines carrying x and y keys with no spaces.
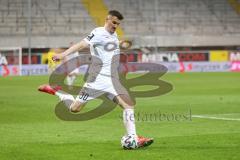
{"x":128,"y":113}
{"x":127,"y":104}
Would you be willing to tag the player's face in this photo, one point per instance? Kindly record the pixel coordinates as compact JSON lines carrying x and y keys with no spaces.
{"x":112,"y":23}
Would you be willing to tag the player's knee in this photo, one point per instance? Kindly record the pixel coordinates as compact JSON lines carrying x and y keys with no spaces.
{"x":126,"y":105}
{"x":75,"y":109}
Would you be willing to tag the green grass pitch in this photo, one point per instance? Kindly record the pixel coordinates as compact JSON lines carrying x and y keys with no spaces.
{"x":29,"y":129}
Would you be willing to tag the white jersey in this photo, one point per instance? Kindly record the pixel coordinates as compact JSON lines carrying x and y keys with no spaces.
{"x":104,"y":46}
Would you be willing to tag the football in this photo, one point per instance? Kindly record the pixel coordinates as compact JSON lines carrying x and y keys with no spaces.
{"x":129,"y":142}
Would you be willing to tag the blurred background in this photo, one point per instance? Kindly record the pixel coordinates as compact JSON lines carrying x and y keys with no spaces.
{"x":184,"y":35}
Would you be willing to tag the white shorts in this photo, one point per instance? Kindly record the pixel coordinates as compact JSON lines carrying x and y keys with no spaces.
{"x":101,"y":85}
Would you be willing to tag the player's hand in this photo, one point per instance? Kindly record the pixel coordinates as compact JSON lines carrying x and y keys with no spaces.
{"x":57,"y":57}
{"x":125,"y":44}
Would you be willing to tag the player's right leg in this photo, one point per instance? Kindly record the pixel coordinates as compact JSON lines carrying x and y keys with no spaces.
{"x":69,"y":101}
{"x":48,"y":89}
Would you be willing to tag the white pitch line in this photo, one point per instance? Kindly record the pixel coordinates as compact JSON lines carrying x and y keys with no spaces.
{"x":218,"y":118}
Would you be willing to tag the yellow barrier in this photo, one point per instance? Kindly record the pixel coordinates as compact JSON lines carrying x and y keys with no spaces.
{"x":235,"y":4}
{"x":219,"y":56}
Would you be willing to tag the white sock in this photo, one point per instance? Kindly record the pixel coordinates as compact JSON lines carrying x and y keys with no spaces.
{"x":129,"y":121}
{"x":65,"y":97}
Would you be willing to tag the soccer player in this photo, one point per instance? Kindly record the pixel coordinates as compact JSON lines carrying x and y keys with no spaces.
{"x":3,"y":64}
{"x":3,"y":60}
{"x":96,"y":41}
{"x":72,"y":75}
{"x":51,"y":63}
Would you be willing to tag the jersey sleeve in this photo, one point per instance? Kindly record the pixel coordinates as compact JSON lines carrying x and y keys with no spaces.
{"x":93,"y":38}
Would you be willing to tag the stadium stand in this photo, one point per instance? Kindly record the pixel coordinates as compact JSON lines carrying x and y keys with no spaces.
{"x":147,"y":23}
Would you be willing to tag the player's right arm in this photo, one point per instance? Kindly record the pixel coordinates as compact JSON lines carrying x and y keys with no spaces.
{"x":76,"y":47}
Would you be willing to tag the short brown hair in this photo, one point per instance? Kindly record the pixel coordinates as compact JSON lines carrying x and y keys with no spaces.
{"x":116,"y":14}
